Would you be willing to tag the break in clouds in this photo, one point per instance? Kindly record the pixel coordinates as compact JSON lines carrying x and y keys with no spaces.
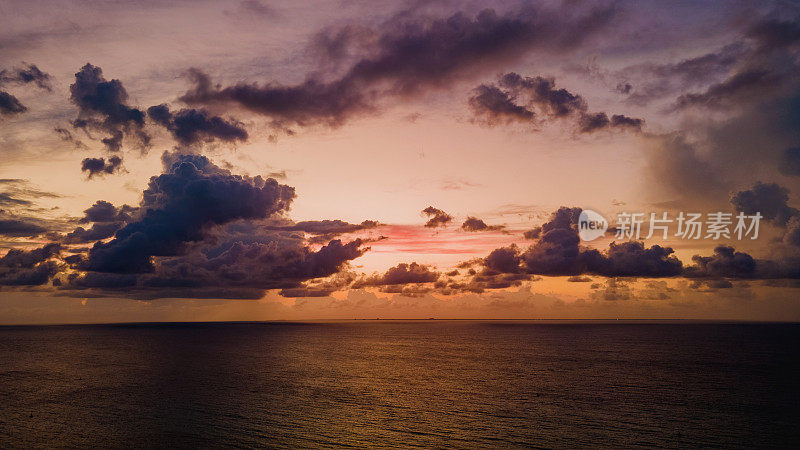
{"x":200,"y":230}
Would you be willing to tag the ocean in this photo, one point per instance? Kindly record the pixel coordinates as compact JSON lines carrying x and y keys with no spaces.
{"x":452,"y":384}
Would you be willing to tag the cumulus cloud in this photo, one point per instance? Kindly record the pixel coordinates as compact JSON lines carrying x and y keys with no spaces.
{"x":202,"y":231}
{"x":475,"y":224}
{"x":768,"y":199}
{"x":9,"y":104}
{"x":403,"y":273}
{"x":99,"y":166}
{"x":103,"y":211}
{"x":558,"y":252}
{"x":29,"y":268}
{"x":438,"y":218}
{"x":726,"y":262}
{"x":103,"y":107}
{"x":178,"y":205}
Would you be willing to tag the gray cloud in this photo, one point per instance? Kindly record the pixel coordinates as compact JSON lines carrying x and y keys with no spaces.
{"x":475,"y":224}
{"x":103,"y":107}
{"x":524,"y":99}
{"x":408,"y":56}
{"x":438,"y":218}
{"x":99,"y":166}
{"x":192,"y":126}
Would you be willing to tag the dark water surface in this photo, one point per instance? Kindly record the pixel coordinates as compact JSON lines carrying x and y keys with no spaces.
{"x":426,"y":383}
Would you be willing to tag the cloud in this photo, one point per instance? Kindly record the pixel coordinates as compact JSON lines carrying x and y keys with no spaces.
{"x":475,"y":224}
{"x":29,"y":268}
{"x":722,"y":94}
{"x":20,"y":228}
{"x":438,"y":218}
{"x":29,"y":74}
{"x":7,"y":200}
{"x":533,"y":233}
{"x":524,"y":99}
{"x":790,"y":162}
{"x":725,"y":262}
{"x":324,"y":227}
{"x":103,"y":106}
{"x":97,"y":232}
{"x":201,"y":231}
{"x":579,"y":279}
{"x":494,"y":106}
{"x":179,"y":204}
{"x":558,"y":252}
{"x":646,"y":82}
{"x":409,"y":55}
{"x":67,"y":136}
{"x":769,"y":199}
{"x":103,"y":211}
{"x":10,"y":105}
{"x":99,"y":166}
{"x":403,"y":273}
{"x":192,"y":126}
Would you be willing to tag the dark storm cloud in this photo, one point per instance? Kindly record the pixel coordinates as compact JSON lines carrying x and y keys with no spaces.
{"x":524,"y":99}
{"x":179,"y":205}
{"x":103,"y":106}
{"x":29,"y":268}
{"x":99,"y":166}
{"x":438,"y":218}
{"x":475,"y":224}
{"x":408,"y":56}
{"x":192,"y":126}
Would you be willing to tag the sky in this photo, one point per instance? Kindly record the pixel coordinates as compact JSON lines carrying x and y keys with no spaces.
{"x":267,"y":160}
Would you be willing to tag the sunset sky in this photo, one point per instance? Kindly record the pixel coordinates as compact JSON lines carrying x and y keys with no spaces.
{"x":268,"y":160}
